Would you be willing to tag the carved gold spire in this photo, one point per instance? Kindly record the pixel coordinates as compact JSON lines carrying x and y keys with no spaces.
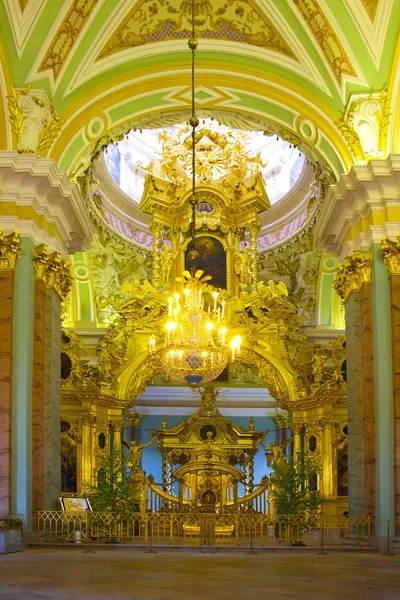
{"x":351,"y":274}
{"x":391,"y":255}
{"x":52,"y":270}
{"x":10,"y":249}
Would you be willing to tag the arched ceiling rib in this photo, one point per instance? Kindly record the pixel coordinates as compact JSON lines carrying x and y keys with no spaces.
{"x":289,"y":60}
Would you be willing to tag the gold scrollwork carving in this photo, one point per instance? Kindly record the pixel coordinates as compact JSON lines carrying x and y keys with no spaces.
{"x":391,"y":255}
{"x":10,"y":249}
{"x":351,"y":274}
{"x":52,"y":270}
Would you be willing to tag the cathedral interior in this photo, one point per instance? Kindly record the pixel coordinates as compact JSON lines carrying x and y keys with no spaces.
{"x":200,"y":275}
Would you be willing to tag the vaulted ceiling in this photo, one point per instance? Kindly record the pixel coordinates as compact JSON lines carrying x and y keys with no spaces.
{"x":104,"y":63}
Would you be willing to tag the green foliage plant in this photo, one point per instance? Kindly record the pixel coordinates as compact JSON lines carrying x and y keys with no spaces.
{"x":295,"y":501}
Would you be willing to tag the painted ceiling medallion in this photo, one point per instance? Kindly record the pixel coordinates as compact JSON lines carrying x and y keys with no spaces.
{"x":236,"y":20}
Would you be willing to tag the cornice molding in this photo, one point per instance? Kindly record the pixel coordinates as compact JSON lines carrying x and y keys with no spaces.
{"x":356,"y":196}
{"x":27,"y":180}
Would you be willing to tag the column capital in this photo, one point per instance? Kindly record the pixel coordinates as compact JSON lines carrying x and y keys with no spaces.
{"x":296,"y":428}
{"x":89,"y":419}
{"x":282,"y":420}
{"x":352,"y":273}
{"x":117,"y":424}
{"x":326,"y":423}
{"x":133,"y":418}
{"x":10,"y":249}
{"x":391,"y":255}
{"x":52,"y":270}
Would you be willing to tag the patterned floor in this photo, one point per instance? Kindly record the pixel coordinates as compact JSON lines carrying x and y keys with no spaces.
{"x":133,"y":575}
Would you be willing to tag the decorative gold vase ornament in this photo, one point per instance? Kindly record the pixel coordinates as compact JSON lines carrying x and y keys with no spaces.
{"x":195,"y":346}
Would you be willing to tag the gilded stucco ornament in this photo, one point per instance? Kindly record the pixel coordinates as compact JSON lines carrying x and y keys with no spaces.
{"x":351,"y":274}
{"x":326,"y":38}
{"x":33,"y":120}
{"x":365,"y":125}
{"x":235,"y":20}
{"x":113,"y":266}
{"x":52,"y":270}
{"x":296,"y":266}
{"x":10,"y":249}
{"x":391,"y":255}
{"x":66,"y":36}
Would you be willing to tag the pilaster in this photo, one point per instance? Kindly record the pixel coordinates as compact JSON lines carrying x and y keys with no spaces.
{"x":391,"y":258}
{"x":52,"y":283}
{"x":10,"y":251}
{"x":384,"y":413}
{"x":353,"y":284}
{"x":328,"y":458}
{"x":24,"y":290}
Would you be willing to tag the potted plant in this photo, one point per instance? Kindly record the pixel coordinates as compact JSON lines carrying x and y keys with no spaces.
{"x":292,"y":492}
{"x":112,"y":492}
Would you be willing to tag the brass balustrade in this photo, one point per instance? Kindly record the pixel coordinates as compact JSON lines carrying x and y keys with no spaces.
{"x":185,"y":528}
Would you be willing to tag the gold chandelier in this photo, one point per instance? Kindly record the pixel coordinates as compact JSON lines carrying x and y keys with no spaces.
{"x":195,"y":346}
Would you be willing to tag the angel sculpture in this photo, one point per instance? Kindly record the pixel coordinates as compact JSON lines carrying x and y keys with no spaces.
{"x":243,"y":265}
{"x":136,"y":451}
{"x":276,"y":290}
{"x":166,"y":260}
{"x":275,"y":454}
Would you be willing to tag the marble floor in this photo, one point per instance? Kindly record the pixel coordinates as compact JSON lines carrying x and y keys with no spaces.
{"x":132,"y":575}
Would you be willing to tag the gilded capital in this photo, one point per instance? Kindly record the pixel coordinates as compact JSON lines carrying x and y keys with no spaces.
{"x":351,"y":274}
{"x":391,"y":255}
{"x":282,"y":420}
{"x":133,"y":418}
{"x":10,"y":249}
{"x":117,"y":425}
{"x":52,"y":270}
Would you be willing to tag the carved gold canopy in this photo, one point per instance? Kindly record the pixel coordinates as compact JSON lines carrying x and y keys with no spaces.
{"x":230,"y":188}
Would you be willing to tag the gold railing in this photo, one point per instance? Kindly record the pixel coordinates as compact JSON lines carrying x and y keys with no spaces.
{"x":159,"y":500}
{"x":256,"y":501}
{"x":180,"y":528}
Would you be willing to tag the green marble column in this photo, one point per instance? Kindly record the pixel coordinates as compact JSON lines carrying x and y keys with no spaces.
{"x":22,"y":384}
{"x":384,"y":414}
